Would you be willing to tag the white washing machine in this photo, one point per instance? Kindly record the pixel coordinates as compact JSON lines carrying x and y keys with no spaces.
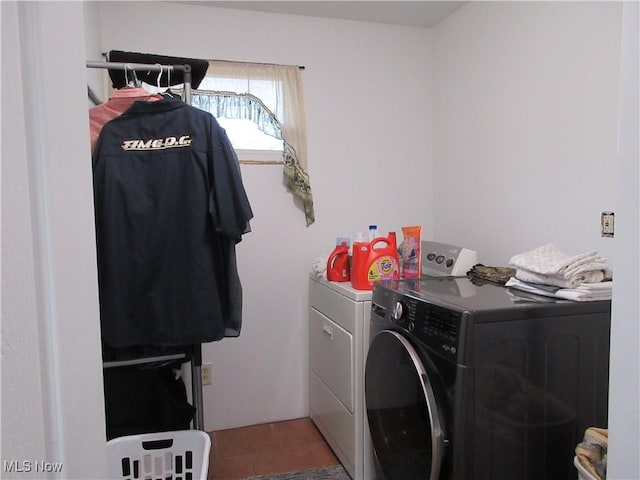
{"x":339,"y":325}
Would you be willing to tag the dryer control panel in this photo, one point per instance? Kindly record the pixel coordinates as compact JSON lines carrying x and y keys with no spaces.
{"x":444,"y":260}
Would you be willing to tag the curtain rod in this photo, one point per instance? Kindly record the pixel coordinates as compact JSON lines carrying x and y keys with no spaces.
{"x":301,"y":67}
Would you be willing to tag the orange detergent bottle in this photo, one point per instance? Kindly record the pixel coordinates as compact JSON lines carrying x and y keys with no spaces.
{"x":373,"y":261}
{"x":338,"y":263}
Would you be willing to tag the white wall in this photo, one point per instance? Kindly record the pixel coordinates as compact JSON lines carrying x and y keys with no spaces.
{"x":526,"y":116}
{"x":23,"y":425}
{"x":367,"y":165}
{"x":624,"y":406}
{"x":525,"y":125}
{"x":96,"y":78}
{"x":52,"y":400}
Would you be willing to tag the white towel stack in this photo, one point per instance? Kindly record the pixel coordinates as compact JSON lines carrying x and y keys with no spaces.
{"x":548,"y":271}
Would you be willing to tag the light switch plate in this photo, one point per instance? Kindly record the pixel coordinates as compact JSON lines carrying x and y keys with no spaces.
{"x":606,"y":224}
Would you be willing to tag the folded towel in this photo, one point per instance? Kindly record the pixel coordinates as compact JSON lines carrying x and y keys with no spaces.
{"x":590,"y":264}
{"x":594,"y":287}
{"x":319,"y":267}
{"x":547,"y":265}
{"x":592,"y":451}
{"x":548,"y":260}
{"x":586,"y":292}
{"x":593,"y":276}
{"x":538,"y":289}
{"x":579,"y":296}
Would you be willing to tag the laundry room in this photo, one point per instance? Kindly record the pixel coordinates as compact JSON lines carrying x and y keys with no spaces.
{"x":502,"y":127}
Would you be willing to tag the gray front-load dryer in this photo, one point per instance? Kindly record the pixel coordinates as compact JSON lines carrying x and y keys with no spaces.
{"x":470,"y":380}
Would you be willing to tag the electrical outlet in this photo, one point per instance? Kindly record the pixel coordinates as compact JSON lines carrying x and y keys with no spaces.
{"x":206,"y":373}
{"x":606,"y":224}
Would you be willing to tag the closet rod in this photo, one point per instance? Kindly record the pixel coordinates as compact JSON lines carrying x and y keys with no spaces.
{"x":140,"y":361}
{"x":149,"y":67}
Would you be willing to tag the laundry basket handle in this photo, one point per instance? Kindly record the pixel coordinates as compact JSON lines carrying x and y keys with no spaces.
{"x":157,"y":444}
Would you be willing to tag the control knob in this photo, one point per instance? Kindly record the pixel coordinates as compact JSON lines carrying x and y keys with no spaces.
{"x":398,"y":311}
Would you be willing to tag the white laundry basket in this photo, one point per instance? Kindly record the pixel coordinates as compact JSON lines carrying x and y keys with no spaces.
{"x":178,"y":455}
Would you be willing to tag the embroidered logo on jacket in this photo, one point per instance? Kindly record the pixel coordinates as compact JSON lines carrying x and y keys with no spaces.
{"x":158,"y":143}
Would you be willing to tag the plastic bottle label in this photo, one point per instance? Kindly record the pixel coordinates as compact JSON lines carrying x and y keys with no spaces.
{"x":382,"y":269}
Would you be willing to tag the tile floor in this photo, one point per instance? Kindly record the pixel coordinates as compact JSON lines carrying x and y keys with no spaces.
{"x":267,"y":449}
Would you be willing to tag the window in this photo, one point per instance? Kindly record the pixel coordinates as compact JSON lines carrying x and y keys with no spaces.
{"x":254,"y":139}
{"x":262,"y":109}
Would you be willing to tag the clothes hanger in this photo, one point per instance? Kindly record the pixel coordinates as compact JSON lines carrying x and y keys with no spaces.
{"x":136,"y":81}
{"x":126,"y":77}
{"x":132,"y":82}
{"x":159,"y":75}
{"x":166,"y":93}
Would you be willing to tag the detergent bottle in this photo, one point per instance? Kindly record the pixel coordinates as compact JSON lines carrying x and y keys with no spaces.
{"x":373,"y":261}
{"x":338,"y":262}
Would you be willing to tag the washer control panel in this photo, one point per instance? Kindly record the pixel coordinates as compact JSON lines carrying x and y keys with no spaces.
{"x":436,"y":327}
{"x":440,"y":329}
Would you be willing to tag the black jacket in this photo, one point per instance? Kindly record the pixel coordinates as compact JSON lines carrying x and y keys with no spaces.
{"x":170,"y":207}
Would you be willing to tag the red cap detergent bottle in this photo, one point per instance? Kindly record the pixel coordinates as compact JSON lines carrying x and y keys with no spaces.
{"x":338,"y":262}
{"x":374,"y":261}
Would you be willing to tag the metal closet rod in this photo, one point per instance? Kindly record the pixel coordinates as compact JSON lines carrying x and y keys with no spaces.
{"x":151,"y":67}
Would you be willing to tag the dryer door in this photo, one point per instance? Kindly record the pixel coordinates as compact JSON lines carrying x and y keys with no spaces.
{"x":404,"y":419}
